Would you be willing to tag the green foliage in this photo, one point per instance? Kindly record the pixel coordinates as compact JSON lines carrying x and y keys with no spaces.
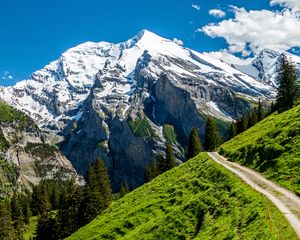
{"x":288,"y":90}
{"x":170,"y":158}
{"x":46,"y":196}
{"x":141,"y":128}
{"x":169,"y":133}
{"x":197,"y":200}
{"x":152,"y":170}
{"x":47,"y":227}
{"x":31,"y":229}
{"x":4,"y":144}
{"x":124,"y":189}
{"x":7,"y":231}
{"x":272,"y":147}
{"x":10,"y":115}
{"x":212,"y":136}
{"x":9,"y":174}
{"x":41,"y":150}
{"x":69,"y":216}
{"x":233,"y":130}
{"x":194,"y":147}
{"x":98,"y":193}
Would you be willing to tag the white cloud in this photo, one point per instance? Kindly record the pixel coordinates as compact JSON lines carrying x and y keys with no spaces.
{"x":178,"y":41}
{"x":252,"y":31}
{"x":7,"y":76}
{"x":228,"y":57}
{"x":196,"y":6}
{"x":218,"y":13}
{"x":294,"y":5}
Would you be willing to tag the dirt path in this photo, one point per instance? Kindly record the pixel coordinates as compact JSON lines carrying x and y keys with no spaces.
{"x":287,"y":202}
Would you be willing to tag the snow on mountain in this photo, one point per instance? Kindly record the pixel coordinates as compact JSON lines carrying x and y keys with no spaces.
{"x":54,"y":95}
{"x":266,"y":66}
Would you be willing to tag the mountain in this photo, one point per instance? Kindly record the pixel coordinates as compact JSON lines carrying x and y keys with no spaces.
{"x":265,"y":66}
{"x":116,"y":100}
{"x":271,"y":147}
{"x":26,"y":156}
{"x":197,"y":200}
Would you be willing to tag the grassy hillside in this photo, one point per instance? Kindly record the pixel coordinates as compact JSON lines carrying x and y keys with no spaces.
{"x":271,"y":147}
{"x":198,"y":200}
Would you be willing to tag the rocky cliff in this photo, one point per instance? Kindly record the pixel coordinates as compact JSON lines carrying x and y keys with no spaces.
{"x":26,"y":156}
{"x":115,"y":100}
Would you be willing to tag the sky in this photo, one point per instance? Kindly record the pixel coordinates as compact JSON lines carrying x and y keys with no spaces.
{"x":34,"y":32}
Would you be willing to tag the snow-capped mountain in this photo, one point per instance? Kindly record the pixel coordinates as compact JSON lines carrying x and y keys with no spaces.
{"x":114,"y":100}
{"x":266,"y":65}
{"x":54,"y":94}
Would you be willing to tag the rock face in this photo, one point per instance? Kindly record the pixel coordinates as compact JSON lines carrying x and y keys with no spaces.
{"x":266,"y":66}
{"x":26,"y":156}
{"x":114,"y":100}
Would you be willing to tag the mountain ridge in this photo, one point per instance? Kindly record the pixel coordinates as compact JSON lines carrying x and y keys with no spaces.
{"x":96,"y":96}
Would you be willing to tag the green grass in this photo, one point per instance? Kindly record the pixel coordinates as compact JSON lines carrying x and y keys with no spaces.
{"x":271,"y":147}
{"x":197,"y":200}
{"x":141,"y":128}
{"x":30,"y":232}
{"x":169,"y":133}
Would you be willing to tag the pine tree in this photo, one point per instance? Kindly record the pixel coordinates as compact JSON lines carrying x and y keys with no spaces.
{"x":161,"y":164}
{"x":253,"y":117}
{"x":93,"y":198}
{"x":194,"y":147}
{"x":288,"y":89}
{"x":17,"y":216}
{"x":212,"y":137}
{"x":233,"y":130}
{"x":6,"y":224}
{"x":69,"y":213}
{"x":245,"y":122}
{"x":47,"y":227}
{"x":98,"y":193}
{"x":103,"y":181}
{"x":124,"y":189}
{"x":170,"y":158}
{"x":152,"y":170}
{"x":260,"y":113}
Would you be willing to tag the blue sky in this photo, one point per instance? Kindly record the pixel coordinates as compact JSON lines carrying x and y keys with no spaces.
{"x":35,"y":32}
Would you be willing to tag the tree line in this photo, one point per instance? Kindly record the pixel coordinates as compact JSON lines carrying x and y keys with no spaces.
{"x":62,"y":207}
{"x":162,"y":164}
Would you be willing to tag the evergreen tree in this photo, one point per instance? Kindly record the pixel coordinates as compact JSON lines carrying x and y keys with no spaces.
{"x":260,"y":113}
{"x":233,"y":130}
{"x":93,"y":198}
{"x":161,"y":164}
{"x":40,"y":199}
{"x":194,"y":147}
{"x":212,"y":137}
{"x":68,"y":216}
{"x":6,"y":224}
{"x":170,"y":158}
{"x":47,"y":227}
{"x":288,"y":89}
{"x":17,"y":216}
{"x":98,"y":193}
{"x":245,"y":121}
{"x":103,"y":181}
{"x":253,"y":118}
{"x":124,"y":189}
{"x":152,"y":170}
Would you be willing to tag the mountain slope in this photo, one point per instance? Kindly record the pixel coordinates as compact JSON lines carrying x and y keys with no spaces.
{"x":53,"y":94}
{"x":25,"y":155}
{"x":271,"y":147}
{"x":198,"y":200}
{"x":266,"y":65}
{"x":98,"y":96}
